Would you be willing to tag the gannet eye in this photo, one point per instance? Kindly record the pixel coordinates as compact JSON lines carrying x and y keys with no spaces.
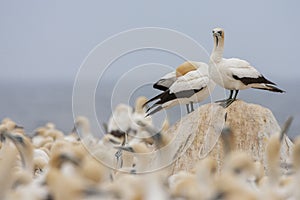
{"x":220,"y":32}
{"x":213,"y":31}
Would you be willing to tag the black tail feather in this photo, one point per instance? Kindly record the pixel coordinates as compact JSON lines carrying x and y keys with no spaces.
{"x":268,"y":87}
{"x":154,"y":105}
{"x":152,"y":99}
{"x":154,"y":111}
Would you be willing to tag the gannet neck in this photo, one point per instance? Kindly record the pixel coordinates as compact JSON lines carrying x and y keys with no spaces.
{"x":217,"y":53}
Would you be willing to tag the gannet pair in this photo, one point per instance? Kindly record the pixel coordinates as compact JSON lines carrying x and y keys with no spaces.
{"x":193,"y":81}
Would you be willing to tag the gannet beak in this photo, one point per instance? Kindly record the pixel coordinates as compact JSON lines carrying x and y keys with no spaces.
{"x":14,"y":138}
{"x":216,"y":35}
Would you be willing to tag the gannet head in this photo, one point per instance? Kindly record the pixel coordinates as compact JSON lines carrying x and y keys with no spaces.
{"x":185,"y":68}
{"x":139,"y":102}
{"x":218,"y":34}
{"x":82,"y":124}
{"x":24,"y":146}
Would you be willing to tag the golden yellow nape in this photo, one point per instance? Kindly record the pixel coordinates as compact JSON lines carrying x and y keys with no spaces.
{"x":185,"y":68}
{"x":139,"y":104}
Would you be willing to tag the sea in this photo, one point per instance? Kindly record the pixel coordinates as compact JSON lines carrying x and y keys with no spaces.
{"x":34,"y":103}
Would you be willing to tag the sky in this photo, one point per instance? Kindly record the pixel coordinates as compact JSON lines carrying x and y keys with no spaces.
{"x":43,"y":41}
{"x":48,"y":40}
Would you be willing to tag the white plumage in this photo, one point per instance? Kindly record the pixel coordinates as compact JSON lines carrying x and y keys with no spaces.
{"x":120,"y":121}
{"x":196,"y":79}
{"x":235,"y":74}
{"x":227,"y":68}
{"x":192,"y":85}
{"x":124,"y":119}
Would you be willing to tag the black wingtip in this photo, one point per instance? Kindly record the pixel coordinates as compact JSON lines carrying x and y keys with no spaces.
{"x":250,"y":80}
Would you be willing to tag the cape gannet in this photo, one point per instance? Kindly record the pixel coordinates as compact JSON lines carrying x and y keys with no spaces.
{"x":234,"y":74}
{"x":120,"y":121}
{"x":165,"y":82}
{"x":192,"y":85}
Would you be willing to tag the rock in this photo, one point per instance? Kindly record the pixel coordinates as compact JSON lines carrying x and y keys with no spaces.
{"x":197,"y":134}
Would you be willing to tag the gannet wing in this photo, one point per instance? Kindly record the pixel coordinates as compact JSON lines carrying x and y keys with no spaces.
{"x":243,"y":71}
{"x":193,"y":80}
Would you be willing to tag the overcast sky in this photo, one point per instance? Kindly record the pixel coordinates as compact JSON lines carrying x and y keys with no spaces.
{"x":48,"y":40}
